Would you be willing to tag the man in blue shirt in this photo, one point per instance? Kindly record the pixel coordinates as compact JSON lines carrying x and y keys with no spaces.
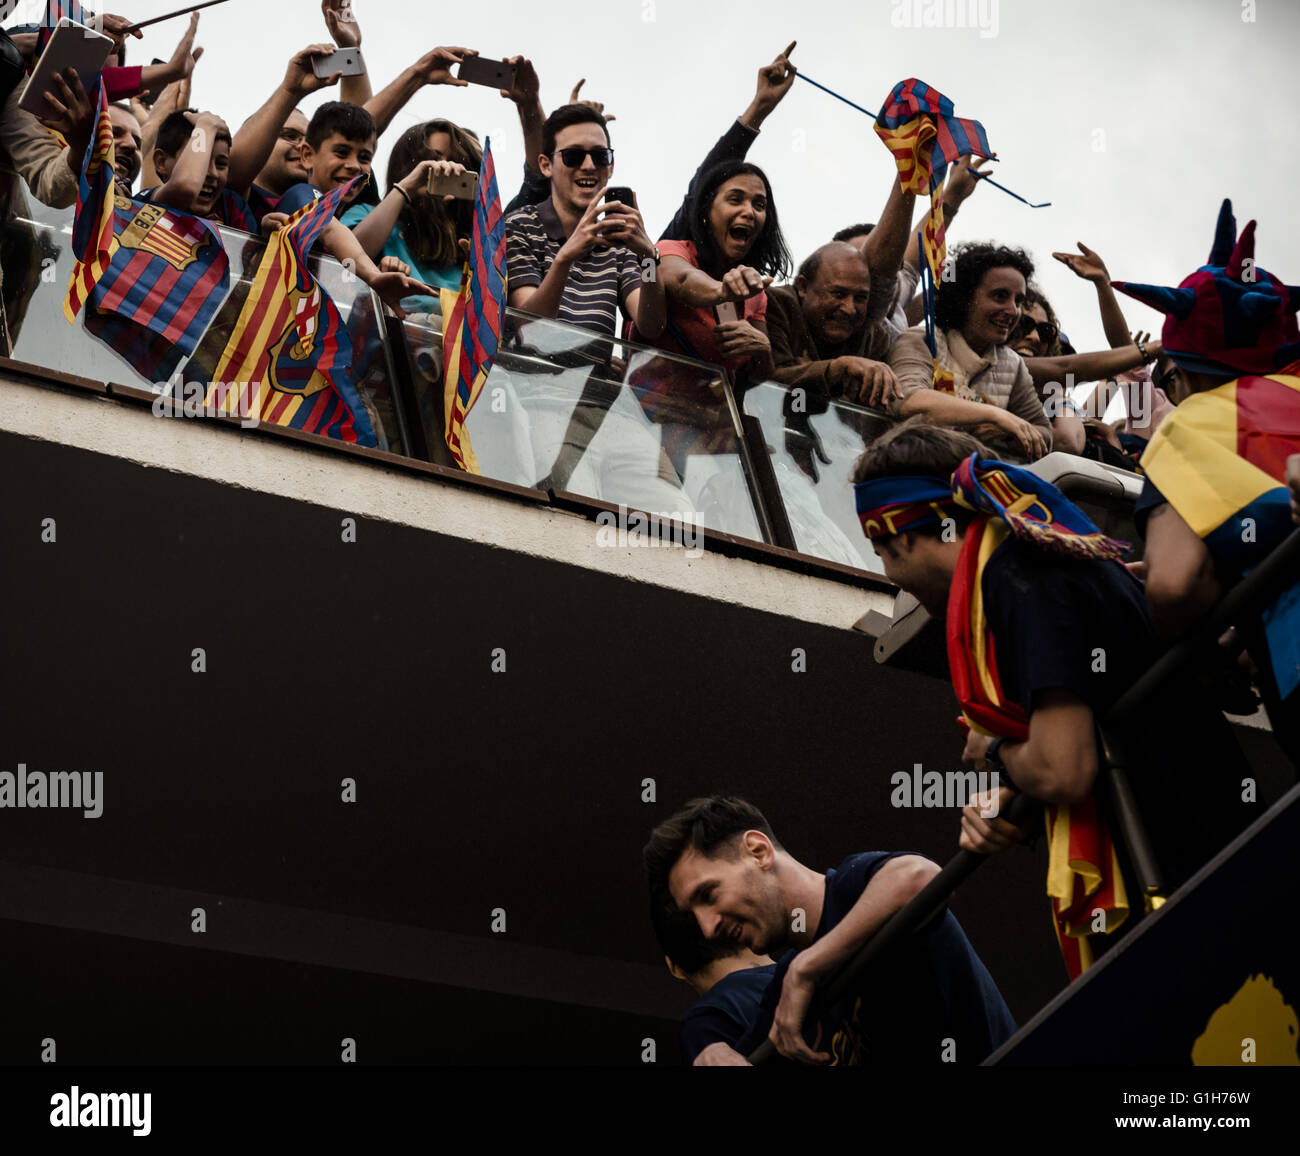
{"x":730,"y":982}
{"x":931,"y":1001}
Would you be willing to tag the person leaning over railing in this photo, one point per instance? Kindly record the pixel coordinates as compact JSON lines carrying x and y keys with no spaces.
{"x":1046,"y":630}
{"x":733,"y":250}
{"x":422,"y":230}
{"x":975,"y":314}
{"x":827,"y":329}
{"x":930,"y":1002}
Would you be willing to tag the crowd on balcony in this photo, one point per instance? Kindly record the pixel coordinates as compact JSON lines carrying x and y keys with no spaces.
{"x":1212,"y":413}
{"x":844,"y":326}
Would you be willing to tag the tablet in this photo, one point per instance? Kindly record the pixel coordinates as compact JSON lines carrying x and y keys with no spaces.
{"x":72,"y":46}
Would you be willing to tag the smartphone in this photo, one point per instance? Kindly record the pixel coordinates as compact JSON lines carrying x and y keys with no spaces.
{"x":348,"y":61}
{"x":72,"y":46}
{"x":622,"y":194}
{"x":726,"y":311}
{"x":463,"y":186}
{"x":489,"y":73}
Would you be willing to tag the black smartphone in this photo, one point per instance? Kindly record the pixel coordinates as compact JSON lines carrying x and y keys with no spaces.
{"x":489,"y":73}
{"x":622,"y":194}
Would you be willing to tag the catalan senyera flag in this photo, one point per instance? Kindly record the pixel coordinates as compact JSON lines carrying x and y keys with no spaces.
{"x":288,"y":360}
{"x":919,"y":128}
{"x":93,"y":239}
{"x":472,"y":318}
{"x":1220,"y":458}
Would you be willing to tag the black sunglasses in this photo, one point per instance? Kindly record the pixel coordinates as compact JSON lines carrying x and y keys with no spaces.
{"x":1047,"y":332}
{"x":602,"y":158}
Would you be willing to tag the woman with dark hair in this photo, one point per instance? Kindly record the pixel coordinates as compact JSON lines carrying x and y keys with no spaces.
{"x":421,"y":230}
{"x":975,"y":314}
{"x":733,"y":252}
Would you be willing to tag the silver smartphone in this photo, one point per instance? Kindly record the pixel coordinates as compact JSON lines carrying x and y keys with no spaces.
{"x":72,"y":46}
{"x":462,"y":186}
{"x":348,"y":61}
{"x":726,"y":311}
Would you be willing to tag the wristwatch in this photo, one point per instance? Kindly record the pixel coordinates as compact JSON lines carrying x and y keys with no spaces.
{"x":992,"y":757}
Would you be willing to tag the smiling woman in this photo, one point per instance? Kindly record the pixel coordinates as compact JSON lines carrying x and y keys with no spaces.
{"x":975,"y":314}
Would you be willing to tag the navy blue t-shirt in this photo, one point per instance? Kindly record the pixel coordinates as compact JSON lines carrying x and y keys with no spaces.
{"x":930,"y":990}
{"x":1061,"y":623}
{"x":723,"y":1014}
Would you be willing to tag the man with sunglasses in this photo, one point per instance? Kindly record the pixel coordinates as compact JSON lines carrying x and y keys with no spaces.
{"x":575,"y":256}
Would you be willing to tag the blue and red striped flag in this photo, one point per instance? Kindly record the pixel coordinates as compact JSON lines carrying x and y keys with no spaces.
{"x":154,"y":277}
{"x":912,"y":103}
{"x":93,"y":239}
{"x":56,"y":10}
{"x":917,"y":124}
{"x":168,"y":276}
{"x":471,"y":330}
{"x":289,"y":359}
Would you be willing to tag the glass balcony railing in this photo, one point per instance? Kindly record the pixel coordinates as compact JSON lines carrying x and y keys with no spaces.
{"x":564,"y":409}
{"x":568,"y":409}
{"x":813,"y":444}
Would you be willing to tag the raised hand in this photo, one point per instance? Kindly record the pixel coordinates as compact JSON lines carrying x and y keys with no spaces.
{"x":1085,"y":264}
{"x":963,"y":179}
{"x":574,"y":98}
{"x":343,"y":27}
{"x":775,"y":79}
{"x":435,"y":66}
{"x":119,"y":27}
{"x":527,"y":88}
{"x":181,"y":65}
{"x":299,"y":79}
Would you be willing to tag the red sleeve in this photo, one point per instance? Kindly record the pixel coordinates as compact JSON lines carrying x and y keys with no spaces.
{"x":683,"y":249}
{"x":121,"y":83}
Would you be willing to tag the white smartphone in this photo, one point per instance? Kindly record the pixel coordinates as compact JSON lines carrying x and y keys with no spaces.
{"x":72,"y":46}
{"x":348,"y":61}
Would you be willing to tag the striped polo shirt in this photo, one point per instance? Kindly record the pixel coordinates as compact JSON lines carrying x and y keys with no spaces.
{"x":598,"y":283}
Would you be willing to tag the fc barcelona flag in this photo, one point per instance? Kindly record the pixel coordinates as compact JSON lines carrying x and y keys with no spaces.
{"x":289,"y":359}
{"x":471,"y":330}
{"x":917,"y":124}
{"x":93,"y":240}
{"x":168,"y":276}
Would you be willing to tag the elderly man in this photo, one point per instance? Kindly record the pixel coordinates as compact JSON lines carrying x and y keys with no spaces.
{"x":826,"y":329}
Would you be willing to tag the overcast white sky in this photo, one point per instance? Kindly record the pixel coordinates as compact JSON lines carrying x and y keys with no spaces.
{"x":1133,"y":119}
